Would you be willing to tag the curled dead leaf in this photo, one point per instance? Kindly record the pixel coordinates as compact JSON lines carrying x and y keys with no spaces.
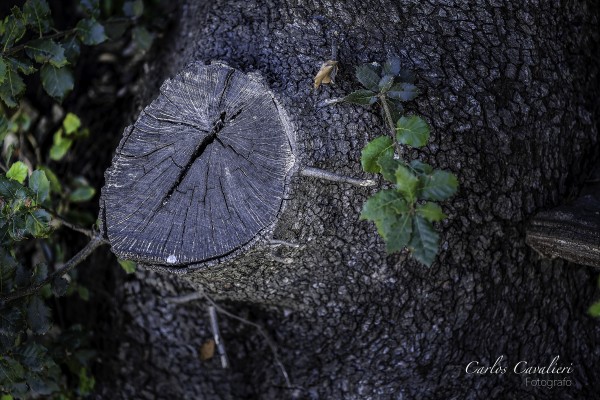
{"x":207,"y":350}
{"x":326,"y":74}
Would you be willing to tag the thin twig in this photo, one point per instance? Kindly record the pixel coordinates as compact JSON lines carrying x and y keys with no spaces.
{"x":278,"y":242}
{"x":57,"y":35}
{"x":87,"y":232}
{"x":330,"y":176}
{"x":214,"y":326}
{"x":96,"y":242}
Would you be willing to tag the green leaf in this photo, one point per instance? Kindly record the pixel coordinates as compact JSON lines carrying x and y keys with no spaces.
{"x":385,"y":83}
{"x":82,"y":194}
{"x":72,"y":48}
{"x":57,"y":82}
{"x":90,"y":32}
{"x":424,"y":242}
{"x":383,"y":204}
{"x":421,"y":167}
{"x":439,"y":185}
{"x":11,"y":369}
{"x":431,"y":212}
{"x":368,"y":77}
{"x":60,"y":146}
{"x":594,"y":309}
{"x":403,"y":91}
{"x":60,"y":285}
{"x":37,"y":15}
{"x":55,"y":185}
{"x":40,"y":185}
{"x":12,"y":88}
{"x":361,"y":97}
{"x":392,"y":66}
{"x":133,"y":9}
{"x":378,"y":147}
{"x":18,"y":172}
{"x":388,"y":166}
{"x":395,"y":108}
{"x":38,"y":316}
{"x":14,"y":30}
{"x":83,"y":292}
{"x":71,"y":123}
{"x":142,"y":38}
{"x":3,"y":70}
{"x":46,"y":50}
{"x":37,"y":223}
{"x":396,"y":232}
{"x":406,"y":183}
{"x":412,"y":130}
{"x":127,"y":265}
{"x":23,"y":66}
{"x":91,"y":7}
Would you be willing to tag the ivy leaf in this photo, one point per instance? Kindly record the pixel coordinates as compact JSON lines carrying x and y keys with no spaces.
{"x":412,"y":130}
{"x":361,"y":97}
{"x":392,"y":66}
{"x":424,"y":242}
{"x":46,"y":50}
{"x":378,"y":147}
{"x":3,"y":70}
{"x":37,"y":15}
{"x":71,"y":123}
{"x":368,"y":77}
{"x":82,"y":194}
{"x":38,"y":316}
{"x":388,"y":166}
{"x":133,"y":9}
{"x":127,"y":265}
{"x":14,"y":30}
{"x":90,"y":32}
{"x":431,"y":211}
{"x":18,"y":172}
{"x":12,"y":88}
{"x":403,"y":91}
{"x":406,"y":183}
{"x":439,"y":185}
{"x":37,"y":223}
{"x":143,"y":40}
{"x":383,"y":204}
{"x":57,"y":82}
{"x":40,"y":185}
{"x":60,"y":146}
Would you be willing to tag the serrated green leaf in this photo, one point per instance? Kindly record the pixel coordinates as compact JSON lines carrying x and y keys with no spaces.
{"x":403,"y":91}
{"x":90,"y":32}
{"x":3,"y":70}
{"x":134,"y":8}
{"x":388,"y":166}
{"x":376,"y":148}
{"x":594,"y":309}
{"x":421,"y":167}
{"x":127,"y":265}
{"x":12,"y":88}
{"x":82,"y":194}
{"x":71,"y":123}
{"x":37,"y":223}
{"x":384,"y":204}
{"x":18,"y":172}
{"x":38,"y":316}
{"x":439,"y":185}
{"x":395,"y":108}
{"x":431,"y":211}
{"x":37,"y":15}
{"x":142,"y":38}
{"x":424,"y":242}
{"x":57,"y":82}
{"x":32,"y":356}
{"x":72,"y":48}
{"x":368,"y":77}
{"x":21,"y":65}
{"x":396,"y":232}
{"x":39,"y":183}
{"x":392,"y":66}
{"x":55,"y":185}
{"x":406,"y":183}
{"x":14,"y":30}
{"x":46,"y":50}
{"x":412,"y":131}
{"x":385,"y":83}
{"x":361,"y":97}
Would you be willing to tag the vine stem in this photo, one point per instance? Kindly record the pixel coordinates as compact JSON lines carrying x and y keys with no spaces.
{"x":96,"y":241}
{"x":390,"y":122}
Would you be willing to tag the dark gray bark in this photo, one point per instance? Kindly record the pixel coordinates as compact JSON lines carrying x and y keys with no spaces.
{"x":511,"y":91}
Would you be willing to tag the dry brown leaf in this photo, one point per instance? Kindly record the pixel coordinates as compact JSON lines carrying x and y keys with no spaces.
{"x":207,"y":350}
{"x":326,"y":74}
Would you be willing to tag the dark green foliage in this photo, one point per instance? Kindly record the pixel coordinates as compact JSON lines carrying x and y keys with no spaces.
{"x":404,"y":214}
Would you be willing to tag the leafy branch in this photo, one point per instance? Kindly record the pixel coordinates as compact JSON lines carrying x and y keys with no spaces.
{"x":404,"y":213}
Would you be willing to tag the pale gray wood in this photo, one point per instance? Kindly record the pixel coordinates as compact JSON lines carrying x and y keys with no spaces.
{"x":202,"y":172}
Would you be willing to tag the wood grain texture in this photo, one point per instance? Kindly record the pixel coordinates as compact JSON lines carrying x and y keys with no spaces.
{"x":201,"y":173}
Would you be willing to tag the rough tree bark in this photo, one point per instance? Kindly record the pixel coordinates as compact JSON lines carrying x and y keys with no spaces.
{"x":511,"y":90}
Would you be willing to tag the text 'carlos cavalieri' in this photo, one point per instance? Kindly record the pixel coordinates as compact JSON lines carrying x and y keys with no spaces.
{"x":526,"y":369}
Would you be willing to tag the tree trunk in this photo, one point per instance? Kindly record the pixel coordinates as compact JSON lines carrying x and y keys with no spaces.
{"x":510,"y":89}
